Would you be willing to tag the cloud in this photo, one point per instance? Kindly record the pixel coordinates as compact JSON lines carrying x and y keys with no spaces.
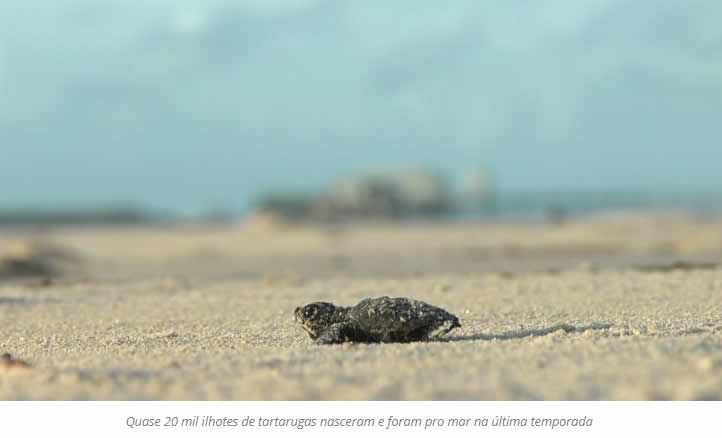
{"x":191,"y":21}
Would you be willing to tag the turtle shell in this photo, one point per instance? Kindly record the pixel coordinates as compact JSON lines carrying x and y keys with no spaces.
{"x":400,"y":319}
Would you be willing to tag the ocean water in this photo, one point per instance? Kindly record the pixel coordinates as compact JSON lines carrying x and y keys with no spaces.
{"x":523,"y":208}
{"x":564,"y":206}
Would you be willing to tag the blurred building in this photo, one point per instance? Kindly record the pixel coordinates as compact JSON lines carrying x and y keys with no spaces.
{"x":477,"y":191}
{"x":379,"y":195}
{"x":392,"y":194}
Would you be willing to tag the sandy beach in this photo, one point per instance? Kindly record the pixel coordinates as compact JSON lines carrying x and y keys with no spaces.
{"x":615,"y":308}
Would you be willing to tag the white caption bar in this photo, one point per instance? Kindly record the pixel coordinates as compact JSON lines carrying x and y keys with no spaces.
{"x":327,"y":419}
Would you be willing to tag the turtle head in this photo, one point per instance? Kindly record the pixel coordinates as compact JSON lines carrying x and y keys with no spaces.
{"x":316,"y":317}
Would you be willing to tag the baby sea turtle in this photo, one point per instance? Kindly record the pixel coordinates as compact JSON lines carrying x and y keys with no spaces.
{"x":381,"y":319}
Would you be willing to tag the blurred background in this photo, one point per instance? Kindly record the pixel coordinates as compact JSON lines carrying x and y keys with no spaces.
{"x":133,"y":110}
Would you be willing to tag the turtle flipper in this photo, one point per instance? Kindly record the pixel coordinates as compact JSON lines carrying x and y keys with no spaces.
{"x":341,"y":332}
{"x":442,"y":329}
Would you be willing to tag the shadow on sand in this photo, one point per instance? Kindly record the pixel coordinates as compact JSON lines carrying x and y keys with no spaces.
{"x":27,"y":300}
{"x":525,"y":333}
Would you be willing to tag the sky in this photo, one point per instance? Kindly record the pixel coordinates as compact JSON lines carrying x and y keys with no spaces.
{"x":184,"y":105}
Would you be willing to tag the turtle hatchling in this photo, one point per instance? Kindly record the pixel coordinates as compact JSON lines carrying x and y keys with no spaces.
{"x":380,"y":319}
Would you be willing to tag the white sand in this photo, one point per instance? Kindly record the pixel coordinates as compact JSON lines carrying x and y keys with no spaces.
{"x":547,"y":313}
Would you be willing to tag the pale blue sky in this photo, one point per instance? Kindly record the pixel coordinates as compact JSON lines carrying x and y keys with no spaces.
{"x":186,"y":104}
